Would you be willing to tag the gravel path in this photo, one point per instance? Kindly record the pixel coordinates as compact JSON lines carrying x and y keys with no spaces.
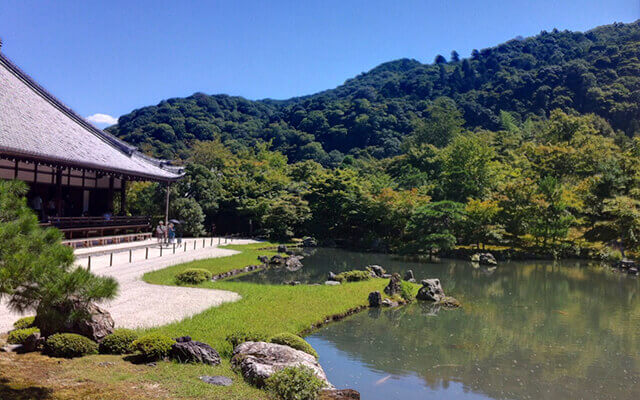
{"x":140,"y":304}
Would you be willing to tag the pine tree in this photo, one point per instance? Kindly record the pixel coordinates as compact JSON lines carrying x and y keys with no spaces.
{"x":36,"y":270}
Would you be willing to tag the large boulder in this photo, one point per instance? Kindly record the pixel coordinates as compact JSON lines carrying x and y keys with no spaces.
{"x":263,"y":259}
{"x":309,"y":242}
{"x":431,"y":290}
{"x":277,"y":260}
{"x":282,"y":248}
{"x":338,"y":394}
{"x":293,"y":263}
{"x":394,"y":286}
{"x":33,"y":342}
{"x":75,"y":316}
{"x":257,"y":361}
{"x":186,"y":350}
{"x":375,"y":299}
{"x":376,"y":271}
{"x":484,"y":259}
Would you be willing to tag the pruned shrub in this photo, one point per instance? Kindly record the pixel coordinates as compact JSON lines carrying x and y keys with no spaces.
{"x":407,"y":290}
{"x":609,"y":254}
{"x":294,"y":383}
{"x":24,"y":323}
{"x":69,"y":345}
{"x":154,"y":346}
{"x":294,"y":341}
{"x":240,"y":337}
{"x":119,"y":342}
{"x":18,"y":336}
{"x":193,"y":276}
{"x":353,"y":276}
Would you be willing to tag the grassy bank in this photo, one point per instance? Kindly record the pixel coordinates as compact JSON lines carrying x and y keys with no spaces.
{"x":265,"y":309}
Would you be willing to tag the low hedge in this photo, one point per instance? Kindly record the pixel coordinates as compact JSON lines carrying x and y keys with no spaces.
{"x":154,"y":346}
{"x":69,"y":345}
{"x":240,"y":337}
{"x":18,"y":336}
{"x":193,"y":276}
{"x":294,"y":341}
{"x":24,"y":323}
{"x":294,"y":383}
{"x":353,"y":276}
{"x":119,"y":342}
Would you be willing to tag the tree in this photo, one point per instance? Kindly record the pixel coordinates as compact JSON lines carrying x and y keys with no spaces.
{"x":445,"y":122}
{"x":467,"y":167}
{"x":455,"y":57}
{"x":622,"y":222}
{"x":37,"y":272}
{"x":552,"y":218}
{"x":440,"y":59}
{"x":189,"y":213}
{"x":432,"y":227}
{"x":285,"y":216}
{"x":480,"y":224}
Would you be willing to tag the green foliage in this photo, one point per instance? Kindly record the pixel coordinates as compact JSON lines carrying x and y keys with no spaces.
{"x":432,"y":227}
{"x":18,"y":336}
{"x":193,"y":276}
{"x":24,"y":322}
{"x":294,"y":341}
{"x":355,"y":275}
{"x":119,"y":342}
{"x":37,"y":270}
{"x":240,"y":337}
{"x":69,"y":345}
{"x":188,"y":211}
{"x":294,"y":383}
{"x":407,"y":291}
{"x":153,"y":346}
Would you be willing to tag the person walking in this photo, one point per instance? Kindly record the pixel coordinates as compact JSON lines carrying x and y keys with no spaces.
{"x":172,"y":233}
{"x":160,"y":232}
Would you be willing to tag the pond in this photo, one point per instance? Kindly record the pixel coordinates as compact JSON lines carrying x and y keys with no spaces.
{"x":528,"y":330}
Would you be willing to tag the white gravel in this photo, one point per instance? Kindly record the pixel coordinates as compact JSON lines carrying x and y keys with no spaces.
{"x":140,"y":304}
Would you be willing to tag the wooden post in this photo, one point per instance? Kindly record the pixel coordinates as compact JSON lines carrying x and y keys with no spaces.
{"x":130,"y":255}
{"x":111,"y":260}
{"x":194,"y":244}
{"x":166,"y":208}
{"x":89,"y":264}
{"x":59,"y":191}
{"x":146,"y":253}
{"x":185,"y":247}
{"x":123,"y":195}
{"x":174,"y":248}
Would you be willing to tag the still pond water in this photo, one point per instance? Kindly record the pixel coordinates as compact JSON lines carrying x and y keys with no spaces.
{"x":528,"y":330}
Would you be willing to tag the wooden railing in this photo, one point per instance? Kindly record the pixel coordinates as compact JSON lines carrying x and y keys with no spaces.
{"x":99,"y":226}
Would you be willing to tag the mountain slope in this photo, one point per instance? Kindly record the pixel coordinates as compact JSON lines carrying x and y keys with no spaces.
{"x":593,"y":72}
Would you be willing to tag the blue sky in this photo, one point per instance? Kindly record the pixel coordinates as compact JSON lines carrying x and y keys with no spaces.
{"x":111,"y":57}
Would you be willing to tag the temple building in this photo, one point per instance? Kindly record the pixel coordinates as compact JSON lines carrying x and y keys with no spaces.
{"x":74,"y":170}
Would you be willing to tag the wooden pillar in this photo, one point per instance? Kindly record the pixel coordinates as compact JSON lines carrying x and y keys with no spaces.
{"x":123,"y":195}
{"x":15,"y":174}
{"x":166,"y":208}
{"x":110,"y":195}
{"x":59,"y":191}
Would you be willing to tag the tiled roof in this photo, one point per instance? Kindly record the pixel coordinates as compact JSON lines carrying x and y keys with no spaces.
{"x":34,"y":124}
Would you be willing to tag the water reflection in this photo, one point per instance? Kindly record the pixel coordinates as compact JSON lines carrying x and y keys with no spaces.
{"x":544,"y":330}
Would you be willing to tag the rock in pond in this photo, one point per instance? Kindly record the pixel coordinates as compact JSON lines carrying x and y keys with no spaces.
{"x":375,"y":299}
{"x":449,"y":302}
{"x":217,"y":380}
{"x":339,"y":394}
{"x":389,"y":303}
{"x":431,"y":290}
{"x":94,"y":322}
{"x":257,"y":361}
{"x":408,"y":276}
{"x":484,"y":259}
{"x":186,"y":350}
{"x":277,"y":260}
{"x":626,"y":264}
{"x":394,"y":286}
{"x":293,"y":263}
{"x":282,"y":248}
{"x":309,"y":242}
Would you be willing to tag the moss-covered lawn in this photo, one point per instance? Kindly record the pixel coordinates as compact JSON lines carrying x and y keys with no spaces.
{"x":266,"y":309}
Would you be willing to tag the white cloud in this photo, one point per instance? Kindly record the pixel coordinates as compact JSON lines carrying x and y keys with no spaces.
{"x":102,"y":119}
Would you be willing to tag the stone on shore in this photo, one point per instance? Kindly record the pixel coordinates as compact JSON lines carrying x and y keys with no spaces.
{"x":309,"y":242}
{"x":394,"y":286}
{"x":376,"y":271}
{"x":375,"y":299}
{"x":263,"y":259}
{"x":33,"y":342}
{"x":332,"y":283}
{"x":293,"y":263}
{"x":339,"y":394}
{"x":186,"y":350}
{"x":257,"y":361}
{"x":408,"y":276}
{"x":282,"y":248}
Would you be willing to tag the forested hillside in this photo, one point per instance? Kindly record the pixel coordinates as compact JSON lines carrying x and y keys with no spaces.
{"x":594,"y":72}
